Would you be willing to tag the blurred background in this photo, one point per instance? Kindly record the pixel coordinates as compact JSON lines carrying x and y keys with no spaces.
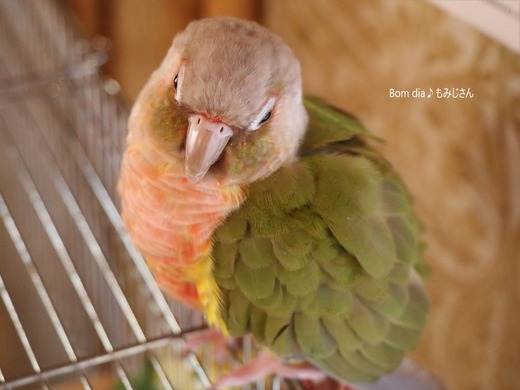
{"x":459,"y":156}
{"x":141,"y":32}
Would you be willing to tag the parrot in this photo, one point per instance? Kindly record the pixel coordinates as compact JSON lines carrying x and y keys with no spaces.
{"x":272,"y":212}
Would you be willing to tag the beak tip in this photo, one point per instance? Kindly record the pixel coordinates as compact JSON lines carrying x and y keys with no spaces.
{"x":194,"y":177}
{"x":194,"y":180}
{"x":205,"y":142}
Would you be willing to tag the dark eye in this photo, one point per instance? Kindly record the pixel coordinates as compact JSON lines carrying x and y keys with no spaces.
{"x":265,"y":118}
{"x":264,"y":115}
{"x":175,"y":81}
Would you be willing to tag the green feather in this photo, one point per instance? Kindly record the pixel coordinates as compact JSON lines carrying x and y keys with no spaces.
{"x":326,"y":251}
{"x":290,"y":188}
{"x":346,"y":186}
{"x":392,"y":304}
{"x":279,"y":336}
{"x":351,"y":208}
{"x":312,"y":337}
{"x":254,"y":283}
{"x":344,"y":270}
{"x":288,"y":303}
{"x":406,"y":245}
{"x":258,"y":322}
{"x":256,"y":252}
{"x":300,"y":282}
{"x":372,"y":327}
{"x":342,"y":369}
{"x":274,"y":301}
{"x":233,"y":230}
{"x":329,"y":124}
{"x":400,"y":274}
{"x":360,"y":361}
{"x":395,"y":201}
{"x":267,"y":224}
{"x":226,"y":255}
{"x":384,"y":355}
{"x":226,"y":283}
{"x":238,"y":310}
{"x":292,"y":248}
{"x":346,"y":339}
{"x":402,"y":338}
{"x":414,"y":315}
{"x":328,"y":303}
{"x":318,"y":261}
{"x":372,"y":290}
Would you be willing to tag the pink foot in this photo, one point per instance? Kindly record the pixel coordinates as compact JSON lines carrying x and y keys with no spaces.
{"x":268,"y":364}
{"x":213,"y":336}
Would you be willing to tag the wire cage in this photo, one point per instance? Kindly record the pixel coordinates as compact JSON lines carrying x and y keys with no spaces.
{"x":79,"y":309}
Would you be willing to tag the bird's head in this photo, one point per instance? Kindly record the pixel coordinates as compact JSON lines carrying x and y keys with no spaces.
{"x":227,"y":101}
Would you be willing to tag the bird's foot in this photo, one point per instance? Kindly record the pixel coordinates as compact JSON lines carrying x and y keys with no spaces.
{"x":268,"y":364}
{"x":213,"y":336}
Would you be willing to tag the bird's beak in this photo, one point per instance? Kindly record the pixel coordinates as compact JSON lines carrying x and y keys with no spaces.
{"x":205,"y":142}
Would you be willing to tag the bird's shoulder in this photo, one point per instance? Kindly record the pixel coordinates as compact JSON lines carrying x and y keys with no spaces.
{"x":329,"y":126}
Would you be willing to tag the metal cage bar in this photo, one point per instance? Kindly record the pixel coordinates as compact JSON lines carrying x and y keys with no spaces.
{"x":65,"y":255}
{"x":78,"y":305}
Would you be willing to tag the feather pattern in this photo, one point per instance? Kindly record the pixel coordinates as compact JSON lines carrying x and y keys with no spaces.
{"x":321,"y":259}
{"x":177,"y":249}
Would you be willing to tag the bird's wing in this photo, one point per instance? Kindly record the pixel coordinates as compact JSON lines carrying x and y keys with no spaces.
{"x":320,"y":261}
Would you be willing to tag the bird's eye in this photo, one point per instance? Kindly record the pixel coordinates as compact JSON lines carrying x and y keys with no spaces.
{"x":263,"y":116}
{"x":177,"y":83}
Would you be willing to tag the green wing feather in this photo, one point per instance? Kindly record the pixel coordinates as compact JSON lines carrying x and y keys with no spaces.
{"x":320,"y":261}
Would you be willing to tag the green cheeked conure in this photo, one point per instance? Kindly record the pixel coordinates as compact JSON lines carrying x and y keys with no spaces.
{"x":269,"y":212}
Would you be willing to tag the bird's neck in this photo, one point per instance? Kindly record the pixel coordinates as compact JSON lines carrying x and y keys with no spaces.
{"x":186,"y":210}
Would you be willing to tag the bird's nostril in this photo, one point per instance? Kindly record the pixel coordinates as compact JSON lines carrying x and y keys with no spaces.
{"x":221,"y":129}
{"x":198,"y":121}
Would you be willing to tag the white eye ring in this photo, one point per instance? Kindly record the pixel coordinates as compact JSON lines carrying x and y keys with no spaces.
{"x":179,"y":77}
{"x":263,"y":116}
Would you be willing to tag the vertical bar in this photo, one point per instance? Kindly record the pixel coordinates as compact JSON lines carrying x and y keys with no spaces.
{"x":4,"y":294}
{"x":247,"y":351}
{"x":160,"y":373}
{"x":97,"y":254}
{"x":276,"y":383}
{"x":84,"y":382}
{"x":59,"y":247}
{"x":114,"y":217}
{"x":122,"y":376}
{"x":57,"y":26}
{"x":35,"y":278}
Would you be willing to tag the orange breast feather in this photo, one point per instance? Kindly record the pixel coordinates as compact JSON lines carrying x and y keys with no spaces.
{"x":171,"y":220}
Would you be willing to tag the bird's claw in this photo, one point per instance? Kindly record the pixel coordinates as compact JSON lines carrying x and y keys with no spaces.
{"x":264,"y":365}
{"x":197,"y":339}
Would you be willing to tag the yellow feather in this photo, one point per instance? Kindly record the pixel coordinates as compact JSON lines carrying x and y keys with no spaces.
{"x":201,"y":271}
